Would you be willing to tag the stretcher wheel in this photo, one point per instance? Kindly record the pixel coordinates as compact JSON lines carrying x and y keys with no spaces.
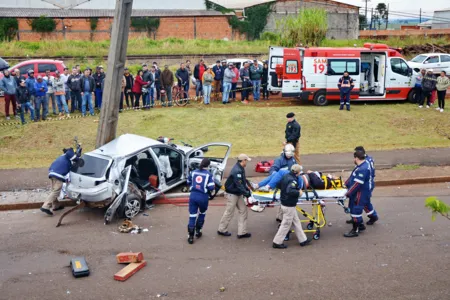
{"x":316,"y":236}
{"x":184,"y":189}
{"x":310,"y":226}
{"x":347,"y":210}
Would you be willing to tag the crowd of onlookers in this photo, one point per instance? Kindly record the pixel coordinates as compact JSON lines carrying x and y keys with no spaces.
{"x":430,"y":87}
{"x":83,"y":90}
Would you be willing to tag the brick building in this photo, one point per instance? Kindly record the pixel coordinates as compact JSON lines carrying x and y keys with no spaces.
{"x":74,"y":24}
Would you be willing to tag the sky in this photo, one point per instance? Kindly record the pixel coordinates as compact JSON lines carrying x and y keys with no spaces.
{"x":405,"y":7}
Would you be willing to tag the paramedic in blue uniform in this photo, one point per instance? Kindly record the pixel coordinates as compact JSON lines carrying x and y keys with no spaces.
{"x":201,"y":183}
{"x":345,"y":86}
{"x":358,"y":192}
{"x":369,"y":209}
{"x":57,"y":173}
{"x":293,"y":134}
{"x":291,"y":189}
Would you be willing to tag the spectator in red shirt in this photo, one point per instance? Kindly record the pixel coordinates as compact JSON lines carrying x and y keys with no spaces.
{"x":137,"y":87}
{"x":234,"y":82}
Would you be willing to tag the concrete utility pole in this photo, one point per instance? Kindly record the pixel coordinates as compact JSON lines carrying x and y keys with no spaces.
{"x":365,"y":12}
{"x":109,"y":115}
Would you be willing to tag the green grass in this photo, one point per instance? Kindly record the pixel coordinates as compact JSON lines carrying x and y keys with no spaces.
{"x":406,"y":167}
{"x":146,"y":46}
{"x":257,"y":130}
{"x":141,"y":46}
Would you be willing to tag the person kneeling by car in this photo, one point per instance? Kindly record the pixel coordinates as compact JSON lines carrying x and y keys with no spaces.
{"x":201,"y":184}
{"x":57,"y":173}
{"x":291,"y":190}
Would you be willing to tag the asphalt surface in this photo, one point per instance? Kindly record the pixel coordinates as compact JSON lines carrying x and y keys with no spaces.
{"x":26,"y":179}
{"x":404,"y":256}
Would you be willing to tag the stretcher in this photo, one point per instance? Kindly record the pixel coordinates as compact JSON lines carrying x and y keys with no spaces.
{"x":318,"y":199}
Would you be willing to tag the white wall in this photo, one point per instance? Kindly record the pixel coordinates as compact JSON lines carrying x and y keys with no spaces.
{"x":106,"y":4}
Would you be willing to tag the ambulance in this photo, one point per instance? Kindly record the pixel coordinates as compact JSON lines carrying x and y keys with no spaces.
{"x":312,"y":74}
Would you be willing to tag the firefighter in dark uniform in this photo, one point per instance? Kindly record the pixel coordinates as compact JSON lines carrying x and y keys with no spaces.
{"x":201,"y":183}
{"x":291,"y":189}
{"x":345,"y":86}
{"x":236,"y":188}
{"x":358,"y":192}
{"x":293,"y":134}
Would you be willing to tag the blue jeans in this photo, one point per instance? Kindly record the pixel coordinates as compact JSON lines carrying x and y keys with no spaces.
{"x":198,"y":202}
{"x":146,"y":98}
{"x":226,"y":91}
{"x":198,"y":88}
{"x":153,"y":94}
{"x":23,"y":108}
{"x":207,"y":93}
{"x":256,"y":89}
{"x":61,"y":100}
{"x":38,"y":102}
{"x":52,"y":95}
{"x":233,"y":91}
{"x":98,"y":97}
{"x":87,"y":99}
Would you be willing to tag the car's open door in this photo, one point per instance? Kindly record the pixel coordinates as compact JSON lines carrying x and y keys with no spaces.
{"x":217,"y":153}
{"x":124,"y":179}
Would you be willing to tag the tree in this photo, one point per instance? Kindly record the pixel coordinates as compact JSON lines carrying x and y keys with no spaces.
{"x":437,"y":207}
{"x":381,"y":14}
{"x":362,"y":21}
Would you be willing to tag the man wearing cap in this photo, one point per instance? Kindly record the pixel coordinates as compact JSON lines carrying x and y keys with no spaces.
{"x":99,"y":76}
{"x":228,"y":76}
{"x":218,"y":79}
{"x":29,"y":82}
{"x":41,"y":99}
{"x":57,"y":173}
{"x":236,"y":188}
{"x":291,"y":189}
{"x":23,"y":101}
{"x":293,"y":134}
{"x":255,"y":76}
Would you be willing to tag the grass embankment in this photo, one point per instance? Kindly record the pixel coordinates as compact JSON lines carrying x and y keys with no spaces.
{"x":145,"y":46}
{"x":255,"y":130}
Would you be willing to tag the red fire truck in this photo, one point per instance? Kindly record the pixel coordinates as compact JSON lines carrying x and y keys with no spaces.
{"x":379,"y":73}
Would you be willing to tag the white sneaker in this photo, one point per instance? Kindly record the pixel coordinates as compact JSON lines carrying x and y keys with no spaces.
{"x":8,"y":118}
{"x":442,"y":110}
{"x":428,"y":106}
{"x":437,"y":108}
{"x":420,"y":106}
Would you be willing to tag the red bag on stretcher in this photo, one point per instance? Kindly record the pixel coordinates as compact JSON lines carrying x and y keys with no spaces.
{"x":263,"y":166}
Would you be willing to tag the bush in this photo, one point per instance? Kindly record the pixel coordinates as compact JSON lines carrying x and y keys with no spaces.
{"x":270,"y":36}
{"x":308,"y":27}
{"x":437,"y":207}
{"x":43,"y":24}
{"x":148,"y":24}
{"x":8,"y":28}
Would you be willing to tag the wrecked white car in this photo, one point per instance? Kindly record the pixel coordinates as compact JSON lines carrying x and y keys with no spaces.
{"x":131,"y":170}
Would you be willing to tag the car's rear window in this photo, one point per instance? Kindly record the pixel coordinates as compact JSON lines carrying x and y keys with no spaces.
{"x":93,"y":166}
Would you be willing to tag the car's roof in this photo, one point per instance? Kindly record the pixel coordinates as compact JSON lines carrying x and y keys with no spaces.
{"x":39,"y":61}
{"x":126,"y":145}
{"x":428,"y":54}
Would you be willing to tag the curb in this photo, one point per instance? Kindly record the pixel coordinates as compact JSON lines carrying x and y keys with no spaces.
{"x":180,"y":199}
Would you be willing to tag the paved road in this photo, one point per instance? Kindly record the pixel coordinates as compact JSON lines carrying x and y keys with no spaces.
{"x":401,"y":257}
{"x":334,"y":162}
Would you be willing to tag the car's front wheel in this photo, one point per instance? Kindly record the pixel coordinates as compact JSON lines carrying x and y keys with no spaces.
{"x":131,"y":206}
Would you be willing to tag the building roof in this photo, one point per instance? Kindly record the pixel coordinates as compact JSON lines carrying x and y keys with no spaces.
{"x":442,"y":10}
{"x":241,"y":4}
{"x":90,"y":13}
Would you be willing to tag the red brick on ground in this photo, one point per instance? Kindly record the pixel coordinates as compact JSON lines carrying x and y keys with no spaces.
{"x":129,"y":271}
{"x":129,"y":257}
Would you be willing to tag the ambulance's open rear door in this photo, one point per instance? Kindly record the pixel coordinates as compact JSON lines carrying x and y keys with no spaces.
{"x":292,"y":73}
{"x":275,"y":58}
